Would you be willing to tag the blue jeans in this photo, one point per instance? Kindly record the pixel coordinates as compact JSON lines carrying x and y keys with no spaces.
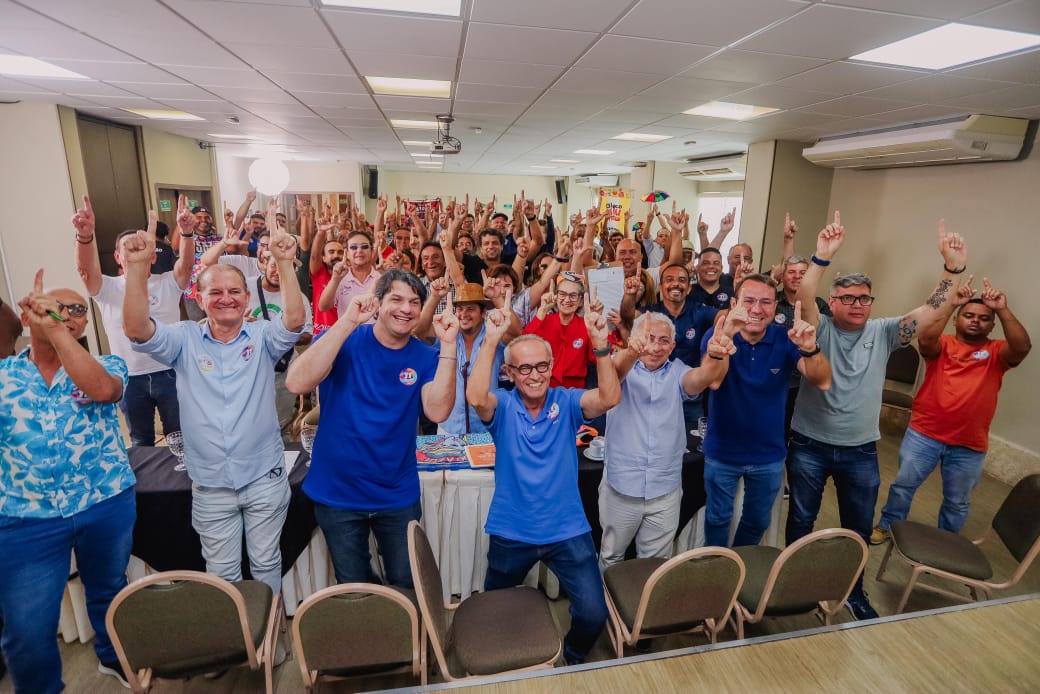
{"x":346,"y":534}
{"x":34,"y":567}
{"x":221,"y":514}
{"x":575,"y":563}
{"x":142,"y":396}
{"x":761,"y":485}
{"x":918,"y":456}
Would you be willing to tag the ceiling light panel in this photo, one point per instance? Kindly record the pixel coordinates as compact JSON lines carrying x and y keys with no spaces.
{"x":413,"y":124}
{"x":600,"y":152}
{"x":445,"y":8}
{"x":24,"y":66}
{"x":160,"y":114}
{"x":400,"y":86}
{"x":730,"y":111}
{"x":641,"y":137}
{"x":946,"y":46}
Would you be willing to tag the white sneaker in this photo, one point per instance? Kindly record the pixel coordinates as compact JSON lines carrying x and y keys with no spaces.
{"x":114,"y":669}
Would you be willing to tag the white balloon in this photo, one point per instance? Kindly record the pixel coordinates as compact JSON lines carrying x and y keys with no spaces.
{"x":269,"y":176}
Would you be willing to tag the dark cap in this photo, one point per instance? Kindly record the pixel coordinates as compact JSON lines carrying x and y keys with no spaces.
{"x":199,"y":208}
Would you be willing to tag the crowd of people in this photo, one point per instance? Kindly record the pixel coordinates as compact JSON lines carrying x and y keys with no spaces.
{"x":465,"y":320}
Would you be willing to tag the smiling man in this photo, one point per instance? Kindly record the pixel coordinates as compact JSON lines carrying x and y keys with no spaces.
{"x":372,"y":377}
{"x":711,"y":289}
{"x":353,"y":277}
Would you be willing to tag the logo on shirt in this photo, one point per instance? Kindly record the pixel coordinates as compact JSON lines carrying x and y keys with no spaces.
{"x":247,"y":353}
{"x":691,"y":333}
{"x":868,"y":345}
{"x":774,"y":371}
{"x":408,"y":377}
{"x":722,"y":296}
{"x":80,"y":398}
{"x":780,"y":319}
{"x":578,"y":344}
{"x":153,"y":300}
{"x":205,"y":363}
{"x":980,"y":355}
{"x":554,"y":411}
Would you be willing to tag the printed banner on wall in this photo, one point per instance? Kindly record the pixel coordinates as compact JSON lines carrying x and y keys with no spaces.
{"x":615,"y":204}
{"x":425,"y":209}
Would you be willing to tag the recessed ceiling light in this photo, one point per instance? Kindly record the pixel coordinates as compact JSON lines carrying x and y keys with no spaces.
{"x":946,"y":46}
{"x":641,"y":137}
{"x":427,"y":154}
{"x":725,"y":109}
{"x":231,"y":137}
{"x":416,"y":143}
{"x":24,"y":66}
{"x":160,"y":114}
{"x":593,"y":151}
{"x":448,"y":8}
{"x":400,"y":86}
{"x":565,"y":161}
{"x":430,"y":164}
{"x":413,"y":124}
{"x":540,"y":166}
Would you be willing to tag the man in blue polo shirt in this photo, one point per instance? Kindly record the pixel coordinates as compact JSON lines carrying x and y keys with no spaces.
{"x":225,"y":387}
{"x":372,"y":379}
{"x":536,"y":513}
{"x":755,"y":387}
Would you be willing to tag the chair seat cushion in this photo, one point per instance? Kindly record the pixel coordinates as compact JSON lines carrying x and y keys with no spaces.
{"x":897,"y":398}
{"x":941,"y":549}
{"x":503,"y":630}
{"x":625,"y":581}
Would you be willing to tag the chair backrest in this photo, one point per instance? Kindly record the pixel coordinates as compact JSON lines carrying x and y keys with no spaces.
{"x":822,"y":566}
{"x":428,"y":591}
{"x":903,"y":365}
{"x":312,"y":416}
{"x":173,"y":619}
{"x":1017,"y":521}
{"x":356,"y":628}
{"x":689,"y":588}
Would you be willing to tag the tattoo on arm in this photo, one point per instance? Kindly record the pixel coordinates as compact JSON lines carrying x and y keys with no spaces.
{"x":907,"y":330}
{"x":938,"y":297}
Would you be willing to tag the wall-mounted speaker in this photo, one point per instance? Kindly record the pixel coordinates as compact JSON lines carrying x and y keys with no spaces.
{"x":561,"y":190}
{"x":372,"y":183}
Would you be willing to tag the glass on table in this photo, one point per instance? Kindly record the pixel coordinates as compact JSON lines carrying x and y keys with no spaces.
{"x":175,"y":442}
{"x":702,"y":431}
{"x":307,"y":434}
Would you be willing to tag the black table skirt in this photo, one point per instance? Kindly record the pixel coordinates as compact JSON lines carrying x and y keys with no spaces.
{"x":163,"y":535}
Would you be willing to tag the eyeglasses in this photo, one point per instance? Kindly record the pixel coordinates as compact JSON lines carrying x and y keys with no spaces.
{"x":75,"y":310}
{"x":764,"y":303}
{"x":568,"y":296}
{"x":850,"y":299}
{"x":360,"y":247}
{"x":525,"y":369}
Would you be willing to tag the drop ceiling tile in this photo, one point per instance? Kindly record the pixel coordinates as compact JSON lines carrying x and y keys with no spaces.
{"x":848,"y":78}
{"x":296,"y":81}
{"x":855,"y":106}
{"x":1024,"y":67}
{"x":710,"y":23}
{"x":359,"y":122}
{"x":271,"y":95}
{"x":748,"y":66}
{"x":778,"y":97}
{"x":999,"y":101}
{"x":126,"y":102}
{"x":201,"y":106}
{"x":492,"y":92}
{"x":321,"y":61}
{"x":582,"y":80}
{"x":835,"y":33}
{"x":551,"y":46}
{"x":425,"y":67}
{"x":264,"y":24}
{"x":220,"y":77}
{"x":165,"y":91}
{"x":938,"y":9}
{"x":1019,"y":15}
{"x":507,"y":73}
{"x":363,"y":31}
{"x":582,"y":15}
{"x":936,"y":88}
{"x":624,"y":115}
{"x":642,"y":55}
{"x":684,"y":120}
{"x":326,"y":100}
{"x":464,"y":109}
{"x":267,"y":111}
{"x":1030,"y":112}
{"x":692,"y":90}
{"x":8,"y":84}
{"x":76,"y":87}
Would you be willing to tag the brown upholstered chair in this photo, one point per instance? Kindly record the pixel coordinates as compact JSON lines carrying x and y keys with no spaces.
{"x":816,"y":572}
{"x":649,"y":598}
{"x":956,"y":558}
{"x":901,"y":376}
{"x":508,"y":630}
{"x":357,"y":630}
{"x":178,"y":624}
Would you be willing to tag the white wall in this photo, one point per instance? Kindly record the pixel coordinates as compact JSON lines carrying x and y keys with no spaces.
{"x":430,"y":184}
{"x":304,"y":177}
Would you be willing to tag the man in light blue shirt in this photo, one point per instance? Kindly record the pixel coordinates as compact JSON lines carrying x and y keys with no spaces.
{"x":641,"y":490}
{"x":225,"y":386}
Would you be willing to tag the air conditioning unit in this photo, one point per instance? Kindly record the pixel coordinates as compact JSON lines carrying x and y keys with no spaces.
{"x":950,"y":141}
{"x":596,"y":181}
{"x":728,"y":167}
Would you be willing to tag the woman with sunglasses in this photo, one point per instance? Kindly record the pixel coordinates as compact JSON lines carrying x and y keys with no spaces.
{"x":568,"y":337}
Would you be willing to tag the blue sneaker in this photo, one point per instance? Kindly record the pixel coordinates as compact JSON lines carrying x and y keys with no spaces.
{"x":860,"y":607}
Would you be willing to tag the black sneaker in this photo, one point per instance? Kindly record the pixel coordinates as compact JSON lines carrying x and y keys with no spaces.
{"x":114,"y":668}
{"x":860,"y":607}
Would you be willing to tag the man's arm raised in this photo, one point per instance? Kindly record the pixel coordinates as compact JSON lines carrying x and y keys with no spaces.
{"x":138,"y":251}
{"x":814,"y":364}
{"x":312,"y":366}
{"x":478,"y":386}
{"x":939,"y":305}
{"x":186,"y":244}
{"x":87,"y":262}
{"x":438,"y":396}
{"x":828,"y":242}
{"x":1018,"y":342}
{"x":598,"y":400}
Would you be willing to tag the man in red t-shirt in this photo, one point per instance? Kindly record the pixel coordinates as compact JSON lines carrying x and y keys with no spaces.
{"x":953,"y":410}
{"x":324,"y":255}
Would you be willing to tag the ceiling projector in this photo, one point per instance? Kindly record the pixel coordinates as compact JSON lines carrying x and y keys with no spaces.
{"x":445,"y":143}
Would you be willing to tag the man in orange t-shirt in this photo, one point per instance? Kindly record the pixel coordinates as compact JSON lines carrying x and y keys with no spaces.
{"x":953,"y":410}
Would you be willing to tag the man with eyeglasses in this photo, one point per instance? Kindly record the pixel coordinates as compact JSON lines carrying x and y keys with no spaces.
{"x":151,"y":385}
{"x":564,"y":331}
{"x":65,"y":486}
{"x":641,"y":490}
{"x":536,"y":513}
{"x":835,"y":433}
{"x":357,"y":279}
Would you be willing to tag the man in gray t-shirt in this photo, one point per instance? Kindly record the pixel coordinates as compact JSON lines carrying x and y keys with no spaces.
{"x":834,"y":433}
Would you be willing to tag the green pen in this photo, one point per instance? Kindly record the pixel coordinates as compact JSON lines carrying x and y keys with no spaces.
{"x":56,"y":316}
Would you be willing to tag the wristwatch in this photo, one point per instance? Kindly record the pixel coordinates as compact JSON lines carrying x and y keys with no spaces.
{"x":602,"y":352}
{"x":813,"y":353}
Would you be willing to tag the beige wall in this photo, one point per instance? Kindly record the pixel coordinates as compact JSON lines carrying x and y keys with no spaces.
{"x":891,"y":217}
{"x":798,"y":187}
{"x":758,"y":184}
{"x":682,"y":190}
{"x":172,"y":160}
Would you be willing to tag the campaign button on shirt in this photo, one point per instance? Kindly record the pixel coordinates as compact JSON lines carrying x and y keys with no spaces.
{"x":578,"y":344}
{"x":408,"y":377}
{"x":780,"y":319}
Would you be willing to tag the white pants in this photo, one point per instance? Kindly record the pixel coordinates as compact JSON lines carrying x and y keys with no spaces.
{"x":219,"y":515}
{"x":652,"y":522}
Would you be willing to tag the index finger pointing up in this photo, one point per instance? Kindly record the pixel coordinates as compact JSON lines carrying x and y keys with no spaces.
{"x":38,"y":282}
{"x":837,"y":217}
{"x":797,"y":311}
{"x":449,"y":306}
{"x":87,"y":206}
{"x":942,"y":230}
{"x":587,"y":308}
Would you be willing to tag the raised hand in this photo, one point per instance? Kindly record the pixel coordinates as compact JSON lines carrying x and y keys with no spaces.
{"x":594,"y":303}
{"x":742,"y":271}
{"x":283,"y":244}
{"x":446,"y":324}
{"x":548,"y":300}
{"x":440,"y":288}
{"x":381,"y":202}
{"x":734,"y":321}
{"x":84,"y":221}
{"x":726,"y":225}
{"x":185,"y":219}
{"x":994,"y":298}
{"x":496,"y":323}
{"x":595,"y":324}
{"x":339,"y":270}
{"x":523,"y":247}
{"x":547,"y":206}
{"x":702,"y":226}
{"x":41,"y":311}
{"x":721,"y":346}
{"x":232,"y":240}
{"x":361,"y":309}
{"x":578,"y":246}
{"x":634,"y":287}
{"x":965,"y":292}
{"x":140,"y":248}
{"x":802,"y":334}
{"x":790,"y":227}
{"x":637,"y":342}
{"x":229,"y":217}
{"x":251,"y":197}
{"x":830,"y":238}
{"x":953,"y":249}
{"x":593,"y":217}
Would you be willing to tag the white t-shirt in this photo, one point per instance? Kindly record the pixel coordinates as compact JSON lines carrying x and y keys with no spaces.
{"x":164,"y":298}
{"x":248,"y":267}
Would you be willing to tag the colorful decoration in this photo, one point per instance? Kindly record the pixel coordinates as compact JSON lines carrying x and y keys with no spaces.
{"x":656,"y":196}
{"x":614,"y":203}
{"x":638,"y":226}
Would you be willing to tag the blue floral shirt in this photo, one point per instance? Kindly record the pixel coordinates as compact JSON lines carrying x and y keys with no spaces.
{"x":60,"y":452}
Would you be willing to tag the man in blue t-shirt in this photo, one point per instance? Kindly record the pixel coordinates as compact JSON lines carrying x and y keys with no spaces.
{"x":737,"y":446}
{"x":372,"y":379}
{"x":536,"y":514}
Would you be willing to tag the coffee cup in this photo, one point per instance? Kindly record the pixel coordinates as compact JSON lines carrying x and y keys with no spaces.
{"x":596,"y":447}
